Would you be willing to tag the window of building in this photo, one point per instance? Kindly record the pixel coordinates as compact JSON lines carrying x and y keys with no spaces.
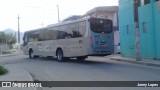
{"x":144,"y":27}
{"x":127,"y":27}
{"x":144,"y":2}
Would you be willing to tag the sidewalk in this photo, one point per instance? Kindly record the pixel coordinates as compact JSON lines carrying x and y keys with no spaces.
{"x":11,"y":54}
{"x":16,"y":74}
{"x":147,"y":62}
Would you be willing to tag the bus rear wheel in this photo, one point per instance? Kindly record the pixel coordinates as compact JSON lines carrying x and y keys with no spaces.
{"x":82,"y":58}
{"x":59,"y":55}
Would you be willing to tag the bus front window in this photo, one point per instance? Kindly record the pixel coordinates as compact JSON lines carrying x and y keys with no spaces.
{"x":100,"y":25}
{"x":25,"y":39}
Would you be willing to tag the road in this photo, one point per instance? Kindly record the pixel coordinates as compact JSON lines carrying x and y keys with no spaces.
{"x":93,"y":69}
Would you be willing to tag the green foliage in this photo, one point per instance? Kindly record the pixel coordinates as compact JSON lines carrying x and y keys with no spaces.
{"x":10,"y":39}
{"x":3,"y":70}
{"x":2,"y":34}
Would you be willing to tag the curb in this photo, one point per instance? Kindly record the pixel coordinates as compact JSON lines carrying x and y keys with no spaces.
{"x":136,"y":62}
{"x":10,"y":55}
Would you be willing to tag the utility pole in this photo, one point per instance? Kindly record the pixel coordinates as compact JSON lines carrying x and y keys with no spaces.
{"x":18,"y":34}
{"x":42,"y":24}
{"x":58,"y":12}
{"x":137,"y":31}
{"x":18,"y":30}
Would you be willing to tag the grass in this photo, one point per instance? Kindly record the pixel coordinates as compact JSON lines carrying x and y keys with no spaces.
{"x":3,"y":70}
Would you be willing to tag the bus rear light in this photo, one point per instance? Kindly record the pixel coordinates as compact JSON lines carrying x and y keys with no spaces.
{"x":103,"y":45}
{"x":91,"y":40}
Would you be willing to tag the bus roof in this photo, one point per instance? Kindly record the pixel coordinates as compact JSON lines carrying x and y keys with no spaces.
{"x":58,"y":24}
{"x":61,"y":23}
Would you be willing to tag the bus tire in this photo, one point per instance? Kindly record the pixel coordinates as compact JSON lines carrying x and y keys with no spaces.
{"x":36,"y":56}
{"x":82,"y":58}
{"x":59,"y":55}
{"x":31,"y":56}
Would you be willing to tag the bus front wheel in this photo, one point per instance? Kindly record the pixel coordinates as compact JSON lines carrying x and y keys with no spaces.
{"x":59,"y":55}
{"x":31,"y":56}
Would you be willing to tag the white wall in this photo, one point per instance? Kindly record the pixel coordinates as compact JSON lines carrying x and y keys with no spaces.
{"x":4,"y":48}
{"x":116,"y":40}
{"x":115,"y":19}
{"x":116,"y":37}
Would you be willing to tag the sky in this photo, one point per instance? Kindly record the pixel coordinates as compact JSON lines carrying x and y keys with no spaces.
{"x":39,"y":13}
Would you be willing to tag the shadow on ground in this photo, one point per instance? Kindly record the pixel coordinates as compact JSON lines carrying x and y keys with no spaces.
{"x":72,"y":60}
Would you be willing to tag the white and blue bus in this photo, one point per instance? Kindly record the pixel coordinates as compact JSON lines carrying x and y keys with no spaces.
{"x":71,"y":39}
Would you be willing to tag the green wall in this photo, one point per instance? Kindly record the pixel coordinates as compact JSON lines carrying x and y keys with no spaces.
{"x":126,"y":17}
{"x":149,"y":28}
{"x":146,"y":37}
{"x":156,"y":16}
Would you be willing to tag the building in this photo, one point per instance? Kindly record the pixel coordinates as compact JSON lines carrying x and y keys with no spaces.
{"x":139,"y":28}
{"x":107,"y":12}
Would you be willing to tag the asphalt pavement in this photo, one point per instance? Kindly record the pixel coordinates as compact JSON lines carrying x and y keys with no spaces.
{"x":93,"y":69}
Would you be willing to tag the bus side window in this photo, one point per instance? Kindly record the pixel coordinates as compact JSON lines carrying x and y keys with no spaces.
{"x":75,"y":30}
{"x":33,"y":36}
{"x":82,"y":28}
{"x":62,"y":35}
{"x":41,"y":35}
{"x":48,"y":35}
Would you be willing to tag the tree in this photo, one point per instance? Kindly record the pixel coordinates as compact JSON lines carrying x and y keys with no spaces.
{"x":2,"y":37}
{"x":2,"y":34}
{"x":10,"y":39}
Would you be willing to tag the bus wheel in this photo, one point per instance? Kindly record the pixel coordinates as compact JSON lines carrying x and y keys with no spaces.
{"x":59,"y":55}
{"x":81,"y":58}
{"x":36,"y":56}
{"x":31,"y":56}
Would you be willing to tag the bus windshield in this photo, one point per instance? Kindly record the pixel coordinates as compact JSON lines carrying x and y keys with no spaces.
{"x":100,"y":25}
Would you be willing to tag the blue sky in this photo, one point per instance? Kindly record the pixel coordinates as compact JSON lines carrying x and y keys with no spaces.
{"x":33,"y":12}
